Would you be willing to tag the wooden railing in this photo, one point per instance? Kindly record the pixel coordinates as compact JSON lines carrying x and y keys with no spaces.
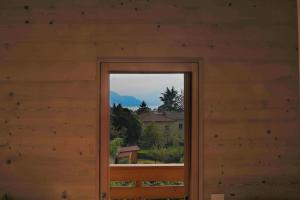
{"x":147,"y":172}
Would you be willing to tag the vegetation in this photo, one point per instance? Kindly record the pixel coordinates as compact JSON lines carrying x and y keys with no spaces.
{"x":122,"y":183}
{"x":151,"y":137}
{"x":157,"y":146}
{"x":164,"y":155}
{"x":172,"y":101}
{"x":125,"y":124}
{"x":114,"y":145}
{"x":143,"y":108}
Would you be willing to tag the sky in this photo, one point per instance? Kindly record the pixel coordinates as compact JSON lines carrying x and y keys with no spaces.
{"x":147,"y":87}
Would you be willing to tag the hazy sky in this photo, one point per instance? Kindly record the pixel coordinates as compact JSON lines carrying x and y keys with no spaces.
{"x":146,"y":87}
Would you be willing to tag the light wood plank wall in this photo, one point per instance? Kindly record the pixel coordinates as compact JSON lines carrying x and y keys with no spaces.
{"x":48,"y":89}
{"x":298,"y":6}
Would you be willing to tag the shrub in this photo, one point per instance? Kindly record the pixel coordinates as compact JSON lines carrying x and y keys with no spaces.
{"x":165,"y":155}
{"x":151,"y":137}
{"x":114,"y":145}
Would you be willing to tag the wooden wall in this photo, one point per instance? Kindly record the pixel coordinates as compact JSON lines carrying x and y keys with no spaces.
{"x":48,"y":89}
{"x":298,"y":12}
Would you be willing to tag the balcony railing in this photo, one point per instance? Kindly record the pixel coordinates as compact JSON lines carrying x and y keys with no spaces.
{"x":139,"y":174}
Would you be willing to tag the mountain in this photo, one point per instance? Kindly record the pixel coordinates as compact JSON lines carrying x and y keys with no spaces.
{"x":126,"y":101}
{"x":152,"y":99}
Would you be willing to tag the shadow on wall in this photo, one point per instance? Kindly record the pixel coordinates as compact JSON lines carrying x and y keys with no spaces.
{"x":5,"y":197}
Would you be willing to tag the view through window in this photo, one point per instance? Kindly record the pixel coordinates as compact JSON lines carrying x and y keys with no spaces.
{"x":147,"y":133}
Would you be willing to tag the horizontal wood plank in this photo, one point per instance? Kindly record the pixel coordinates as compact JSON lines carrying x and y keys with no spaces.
{"x":147,"y":192}
{"x":49,"y":54}
{"x":158,"y":172}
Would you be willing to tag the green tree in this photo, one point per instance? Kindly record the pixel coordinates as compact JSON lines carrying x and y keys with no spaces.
{"x":179,"y":99}
{"x":114,"y":145}
{"x":143,"y":108}
{"x":127,"y":123}
{"x":117,"y":132}
{"x":151,"y":137}
{"x":172,"y":101}
{"x":172,"y":139}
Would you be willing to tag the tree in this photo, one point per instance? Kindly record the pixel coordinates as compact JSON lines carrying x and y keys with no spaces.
{"x":151,"y":137}
{"x":114,"y":145}
{"x":179,"y":99}
{"x":117,"y":132}
{"x":126,"y":122}
{"x":143,"y":108}
{"x":172,"y":101}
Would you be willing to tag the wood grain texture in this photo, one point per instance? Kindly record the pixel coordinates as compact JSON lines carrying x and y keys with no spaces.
{"x":148,"y":192}
{"x":191,"y":68}
{"x":49,"y":90}
{"x":157,"y":172}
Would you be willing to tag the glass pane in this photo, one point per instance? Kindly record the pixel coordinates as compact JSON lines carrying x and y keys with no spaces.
{"x":147,"y":130}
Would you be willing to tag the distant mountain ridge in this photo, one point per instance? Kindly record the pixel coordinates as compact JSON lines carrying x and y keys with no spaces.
{"x":127,"y":101}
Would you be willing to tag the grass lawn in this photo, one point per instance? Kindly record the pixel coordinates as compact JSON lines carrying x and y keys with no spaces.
{"x":144,"y":161}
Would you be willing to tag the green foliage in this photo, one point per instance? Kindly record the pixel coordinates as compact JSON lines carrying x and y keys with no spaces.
{"x":171,"y":139}
{"x":146,"y":183}
{"x":124,"y":160}
{"x":179,"y":99}
{"x":117,"y":133}
{"x":122,"y":183}
{"x":163,"y":183}
{"x":143,"y":108}
{"x":165,"y":155}
{"x":114,"y":145}
{"x":146,"y":155}
{"x":169,"y":155}
{"x":125,"y":124}
{"x":151,"y":137}
{"x":144,"y":161}
{"x":172,"y":101}
{"x":158,"y":146}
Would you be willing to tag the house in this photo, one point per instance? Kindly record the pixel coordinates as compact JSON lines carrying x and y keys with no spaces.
{"x":165,"y":121}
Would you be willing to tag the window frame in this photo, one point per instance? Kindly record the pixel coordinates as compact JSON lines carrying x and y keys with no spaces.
{"x":193,"y":82}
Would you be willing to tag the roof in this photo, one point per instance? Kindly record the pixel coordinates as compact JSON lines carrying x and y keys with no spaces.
{"x":128,"y":149}
{"x":175,"y":115}
{"x":155,"y":117}
{"x":161,"y":117}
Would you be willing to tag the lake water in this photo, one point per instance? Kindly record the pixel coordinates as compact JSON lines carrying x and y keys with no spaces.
{"x":137,"y":107}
